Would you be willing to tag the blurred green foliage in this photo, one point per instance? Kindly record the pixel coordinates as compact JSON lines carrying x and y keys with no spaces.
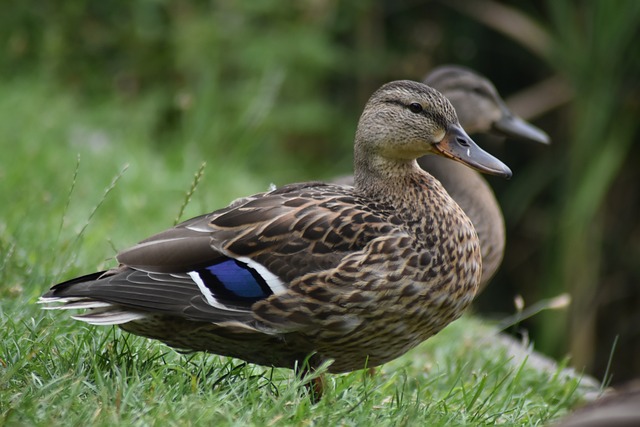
{"x":275,"y":89}
{"x":592,"y":49}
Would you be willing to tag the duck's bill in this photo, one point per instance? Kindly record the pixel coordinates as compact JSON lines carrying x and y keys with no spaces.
{"x":457,"y":145}
{"x":514,"y":127}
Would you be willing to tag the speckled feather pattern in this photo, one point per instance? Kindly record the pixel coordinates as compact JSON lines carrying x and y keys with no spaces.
{"x":475,"y":196}
{"x":362,"y":274}
{"x":341,"y":311}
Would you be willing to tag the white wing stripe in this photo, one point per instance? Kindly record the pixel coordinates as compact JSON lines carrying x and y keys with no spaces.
{"x":273,"y":281}
{"x":204,"y":290}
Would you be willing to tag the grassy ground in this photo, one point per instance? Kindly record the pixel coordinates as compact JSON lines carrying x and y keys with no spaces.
{"x":78,"y":183}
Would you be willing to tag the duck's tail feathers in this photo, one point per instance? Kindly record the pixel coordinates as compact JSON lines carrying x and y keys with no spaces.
{"x":98,"y":312}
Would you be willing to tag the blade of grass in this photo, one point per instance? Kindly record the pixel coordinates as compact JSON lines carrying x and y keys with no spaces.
{"x":194,"y":185}
{"x":74,"y":180}
{"x":105,"y":194}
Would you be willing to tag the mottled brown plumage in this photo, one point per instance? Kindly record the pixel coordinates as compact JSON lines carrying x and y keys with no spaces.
{"x":355,"y":275}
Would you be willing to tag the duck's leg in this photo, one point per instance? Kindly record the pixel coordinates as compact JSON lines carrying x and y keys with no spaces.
{"x":315,"y":386}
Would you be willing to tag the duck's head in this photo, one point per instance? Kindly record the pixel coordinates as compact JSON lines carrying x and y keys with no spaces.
{"x":479,"y":107}
{"x":405,"y":120}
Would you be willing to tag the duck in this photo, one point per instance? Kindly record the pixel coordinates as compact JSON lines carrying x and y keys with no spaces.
{"x":480,"y":110}
{"x":312,"y":274}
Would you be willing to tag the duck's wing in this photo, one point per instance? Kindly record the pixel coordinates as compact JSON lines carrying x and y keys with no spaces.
{"x":216,"y":266}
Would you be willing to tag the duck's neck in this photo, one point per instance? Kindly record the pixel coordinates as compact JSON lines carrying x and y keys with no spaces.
{"x":399,"y":183}
{"x":379,"y":172}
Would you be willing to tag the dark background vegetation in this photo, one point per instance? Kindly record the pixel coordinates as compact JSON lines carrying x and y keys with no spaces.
{"x":277,"y":87}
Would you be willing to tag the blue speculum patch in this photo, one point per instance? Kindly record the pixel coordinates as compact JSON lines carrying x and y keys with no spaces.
{"x":233,"y":280}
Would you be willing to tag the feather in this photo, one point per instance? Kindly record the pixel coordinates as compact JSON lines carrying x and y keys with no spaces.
{"x":109,"y":316}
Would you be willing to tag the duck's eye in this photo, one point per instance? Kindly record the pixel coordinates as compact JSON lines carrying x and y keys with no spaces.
{"x":415,"y":107}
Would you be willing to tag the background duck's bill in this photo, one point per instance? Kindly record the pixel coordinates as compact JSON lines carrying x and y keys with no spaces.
{"x":514,"y":127}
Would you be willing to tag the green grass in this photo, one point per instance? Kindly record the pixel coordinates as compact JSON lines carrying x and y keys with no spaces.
{"x":61,"y":217}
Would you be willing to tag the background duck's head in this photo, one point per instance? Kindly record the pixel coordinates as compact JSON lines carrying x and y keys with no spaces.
{"x":479,"y":106}
{"x":404,"y":120}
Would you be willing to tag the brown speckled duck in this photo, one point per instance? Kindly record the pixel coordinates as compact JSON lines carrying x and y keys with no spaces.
{"x":480,"y":109}
{"x":357,"y":275}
